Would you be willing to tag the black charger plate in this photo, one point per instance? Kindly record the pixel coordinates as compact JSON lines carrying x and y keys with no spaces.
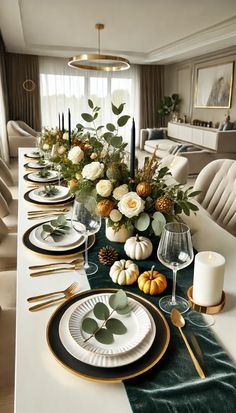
{"x":101,"y":374}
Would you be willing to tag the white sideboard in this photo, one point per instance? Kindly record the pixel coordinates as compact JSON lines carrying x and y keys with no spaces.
{"x":219,"y":141}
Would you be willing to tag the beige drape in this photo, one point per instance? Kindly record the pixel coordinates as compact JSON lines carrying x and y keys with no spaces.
{"x":4,"y":150}
{"x":24,"y":105}
{"x":151,"y":93}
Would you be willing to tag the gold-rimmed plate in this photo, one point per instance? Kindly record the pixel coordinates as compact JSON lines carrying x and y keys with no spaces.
{"x":101,"y":374}
{"x":70,"y":252}
{"x":51,"y":204}
{"x":35,"y":165}
{"x":29,"y":178}
{"x":32,"y":155}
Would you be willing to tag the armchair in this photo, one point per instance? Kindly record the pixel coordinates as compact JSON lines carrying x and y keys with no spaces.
{"x":20,"y":135}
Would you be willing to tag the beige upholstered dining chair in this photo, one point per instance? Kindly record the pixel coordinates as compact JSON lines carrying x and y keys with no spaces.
{"x":217,"y":183}
{"x":8,"y":207}
{"x":178,"y":166}
{"x":20,"y":135}
{"x":7,"y":248}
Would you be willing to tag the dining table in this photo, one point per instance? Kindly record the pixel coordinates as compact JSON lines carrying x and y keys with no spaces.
{"x":44,"y":385}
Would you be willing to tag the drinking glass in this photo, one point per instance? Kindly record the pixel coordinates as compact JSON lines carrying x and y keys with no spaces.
{"x":175,"y":251}
{"x":86,"y":221}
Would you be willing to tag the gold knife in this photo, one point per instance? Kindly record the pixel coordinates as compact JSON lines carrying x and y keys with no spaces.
{"x":47,"y":304}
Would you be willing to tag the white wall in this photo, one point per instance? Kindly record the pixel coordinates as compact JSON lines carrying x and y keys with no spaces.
{"x":181,"y":78}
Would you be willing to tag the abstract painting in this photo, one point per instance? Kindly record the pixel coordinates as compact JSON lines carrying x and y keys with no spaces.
{"x":214,"y":86}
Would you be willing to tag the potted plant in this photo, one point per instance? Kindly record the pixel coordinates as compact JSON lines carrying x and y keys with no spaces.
{"x":169,"y":105}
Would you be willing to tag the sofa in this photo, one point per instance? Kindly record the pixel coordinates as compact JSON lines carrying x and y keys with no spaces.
{"x":198,"y":144}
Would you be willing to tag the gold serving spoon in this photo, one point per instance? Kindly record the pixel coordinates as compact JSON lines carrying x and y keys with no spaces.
{"x":179,"y":322}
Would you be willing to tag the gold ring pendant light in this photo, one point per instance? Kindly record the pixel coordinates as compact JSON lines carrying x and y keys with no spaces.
{"x":97,"y":61}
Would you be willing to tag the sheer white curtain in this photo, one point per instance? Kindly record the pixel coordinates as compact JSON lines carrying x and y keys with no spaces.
{"x":4,"y":150}
{"x":63,"y":87}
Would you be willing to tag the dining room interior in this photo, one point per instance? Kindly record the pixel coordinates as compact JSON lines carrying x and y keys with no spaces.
{"x":117,"y":206}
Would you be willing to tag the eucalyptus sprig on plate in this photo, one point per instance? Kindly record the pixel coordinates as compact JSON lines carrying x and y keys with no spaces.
{"x":105,"y":332}
{"x":49,"y":190}
{"x":44,"y":173}
{"x":56,"y":229}
{"x":41,"y":162}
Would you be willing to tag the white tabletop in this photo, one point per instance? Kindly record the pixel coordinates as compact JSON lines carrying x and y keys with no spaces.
{"x":42,"y":385}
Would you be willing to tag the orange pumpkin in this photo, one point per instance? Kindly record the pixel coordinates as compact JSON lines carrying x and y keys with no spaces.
{"x":152,"y":282}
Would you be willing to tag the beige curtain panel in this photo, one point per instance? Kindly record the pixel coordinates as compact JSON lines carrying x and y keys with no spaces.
{"x":23,"y":89}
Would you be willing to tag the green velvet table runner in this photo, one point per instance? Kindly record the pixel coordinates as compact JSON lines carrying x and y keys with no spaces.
{"x":173,"y":385}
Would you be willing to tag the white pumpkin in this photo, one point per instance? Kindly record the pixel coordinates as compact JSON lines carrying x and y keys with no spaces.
{"x":124,"y":272}
{"x":138,"y":248}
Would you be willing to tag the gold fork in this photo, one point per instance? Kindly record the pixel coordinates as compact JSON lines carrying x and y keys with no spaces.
{"x":76,"y":261}
{"x":67,"y":294}
{"x":48,"y":214}
{"x":69,"y":290}
{"x":47,"y":272}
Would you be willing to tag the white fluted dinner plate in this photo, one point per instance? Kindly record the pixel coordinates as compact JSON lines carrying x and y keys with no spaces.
{"x":137,"y":323}
{"x":36,"y":165}
{"x":101,"y":360}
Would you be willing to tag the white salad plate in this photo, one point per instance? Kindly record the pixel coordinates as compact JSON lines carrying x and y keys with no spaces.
{"x":104,"y":360}
{"x":34,"y":154}
{"x":137,"y":323}
{"x":62,"y":195}
{"x":71,"y":240}
{"x":36,"y":165}
{"x":53,"y":175}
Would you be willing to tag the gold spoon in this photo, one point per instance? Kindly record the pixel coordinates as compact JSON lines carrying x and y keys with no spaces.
{"x":179,"y":321}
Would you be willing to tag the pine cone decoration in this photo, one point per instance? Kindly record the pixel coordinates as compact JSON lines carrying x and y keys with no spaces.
{"x":107,"y":255}
{"x":163,"y":205}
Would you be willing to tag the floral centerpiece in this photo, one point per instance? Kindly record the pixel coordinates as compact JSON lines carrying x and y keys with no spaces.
{"x":97,"y":164}
{"x":54,"y":136}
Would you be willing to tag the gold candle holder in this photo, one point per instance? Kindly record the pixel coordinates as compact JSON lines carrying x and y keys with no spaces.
{"x":214,"y":309}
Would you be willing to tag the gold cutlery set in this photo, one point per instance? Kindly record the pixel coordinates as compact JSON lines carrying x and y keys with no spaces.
{"x":45,"y":213}
{"x":67,"y":266}
{"x":59,"y":296}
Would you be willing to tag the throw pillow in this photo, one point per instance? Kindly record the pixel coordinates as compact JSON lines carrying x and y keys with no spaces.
{"x":228,"y":126}
{"x":154,"y":134}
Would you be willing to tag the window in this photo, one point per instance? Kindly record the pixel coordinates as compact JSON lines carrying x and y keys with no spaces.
{"x":63,"y":87}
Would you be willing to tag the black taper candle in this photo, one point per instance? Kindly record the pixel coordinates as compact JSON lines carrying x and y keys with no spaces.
{"x":132,"y":151}
{"x":69,"y":128}
{"x":59,"y":121}
{"x":62,"y":122}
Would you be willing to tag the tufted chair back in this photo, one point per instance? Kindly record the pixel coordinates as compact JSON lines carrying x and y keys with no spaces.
{"x":217,"y":181}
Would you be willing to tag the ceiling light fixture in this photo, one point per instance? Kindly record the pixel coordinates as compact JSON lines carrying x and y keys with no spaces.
{"x":98,"y":61}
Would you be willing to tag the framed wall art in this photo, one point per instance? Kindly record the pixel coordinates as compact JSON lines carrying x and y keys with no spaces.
{"x":214,"y":86}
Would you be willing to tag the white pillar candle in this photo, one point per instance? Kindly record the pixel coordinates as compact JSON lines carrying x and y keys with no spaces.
{"x":208,"y":278}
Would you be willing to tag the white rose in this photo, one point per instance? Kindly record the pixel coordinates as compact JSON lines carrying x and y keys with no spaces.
{"x":115,"y":215}
{"x":131,"y":204}
{"x":45,"y":147}
{"x":75,"y":155}
{"x":65,"y":136}
{"x":104,"y":187}
{"x":103,"y":153}
{"x":120,"y":191}
{"x":61,"y":150}
{"x":93,"y":170}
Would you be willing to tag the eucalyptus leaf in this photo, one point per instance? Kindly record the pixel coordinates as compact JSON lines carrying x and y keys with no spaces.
{"x":156,"y":226}
{"x":116,"y":326}
{"x":142,"y":222}
{"x":101,"y":311}
{"x":110,"y":127}
{"x":116,"y":141}
{"x":47,"y":228}
{"x":54,"y":223}
{"x":89,"y":325}
{"x":115,"y":110}
{"x":90,"y":103}
{"x":87,"y":117}
{"x":61,"y":220}
{"x":104,"y":336}
{"x":158,"y":216}
{"x":120,"y":108}
{"x":118,"y":300}
{"x":125,"y":310}
{"x":123,"y":120}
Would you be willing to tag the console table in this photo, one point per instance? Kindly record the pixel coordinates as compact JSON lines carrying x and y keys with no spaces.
{"x":209,"y":138}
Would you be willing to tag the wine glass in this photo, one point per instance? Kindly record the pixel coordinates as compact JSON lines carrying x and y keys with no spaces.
{"x":86,"y":221}
{"x":175,"y":251}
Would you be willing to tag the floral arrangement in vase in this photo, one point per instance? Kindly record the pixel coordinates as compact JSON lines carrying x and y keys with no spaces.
{"x":97,"y":164}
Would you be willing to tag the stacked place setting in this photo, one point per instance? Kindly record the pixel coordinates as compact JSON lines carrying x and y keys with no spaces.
{"x":50,"y":195}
